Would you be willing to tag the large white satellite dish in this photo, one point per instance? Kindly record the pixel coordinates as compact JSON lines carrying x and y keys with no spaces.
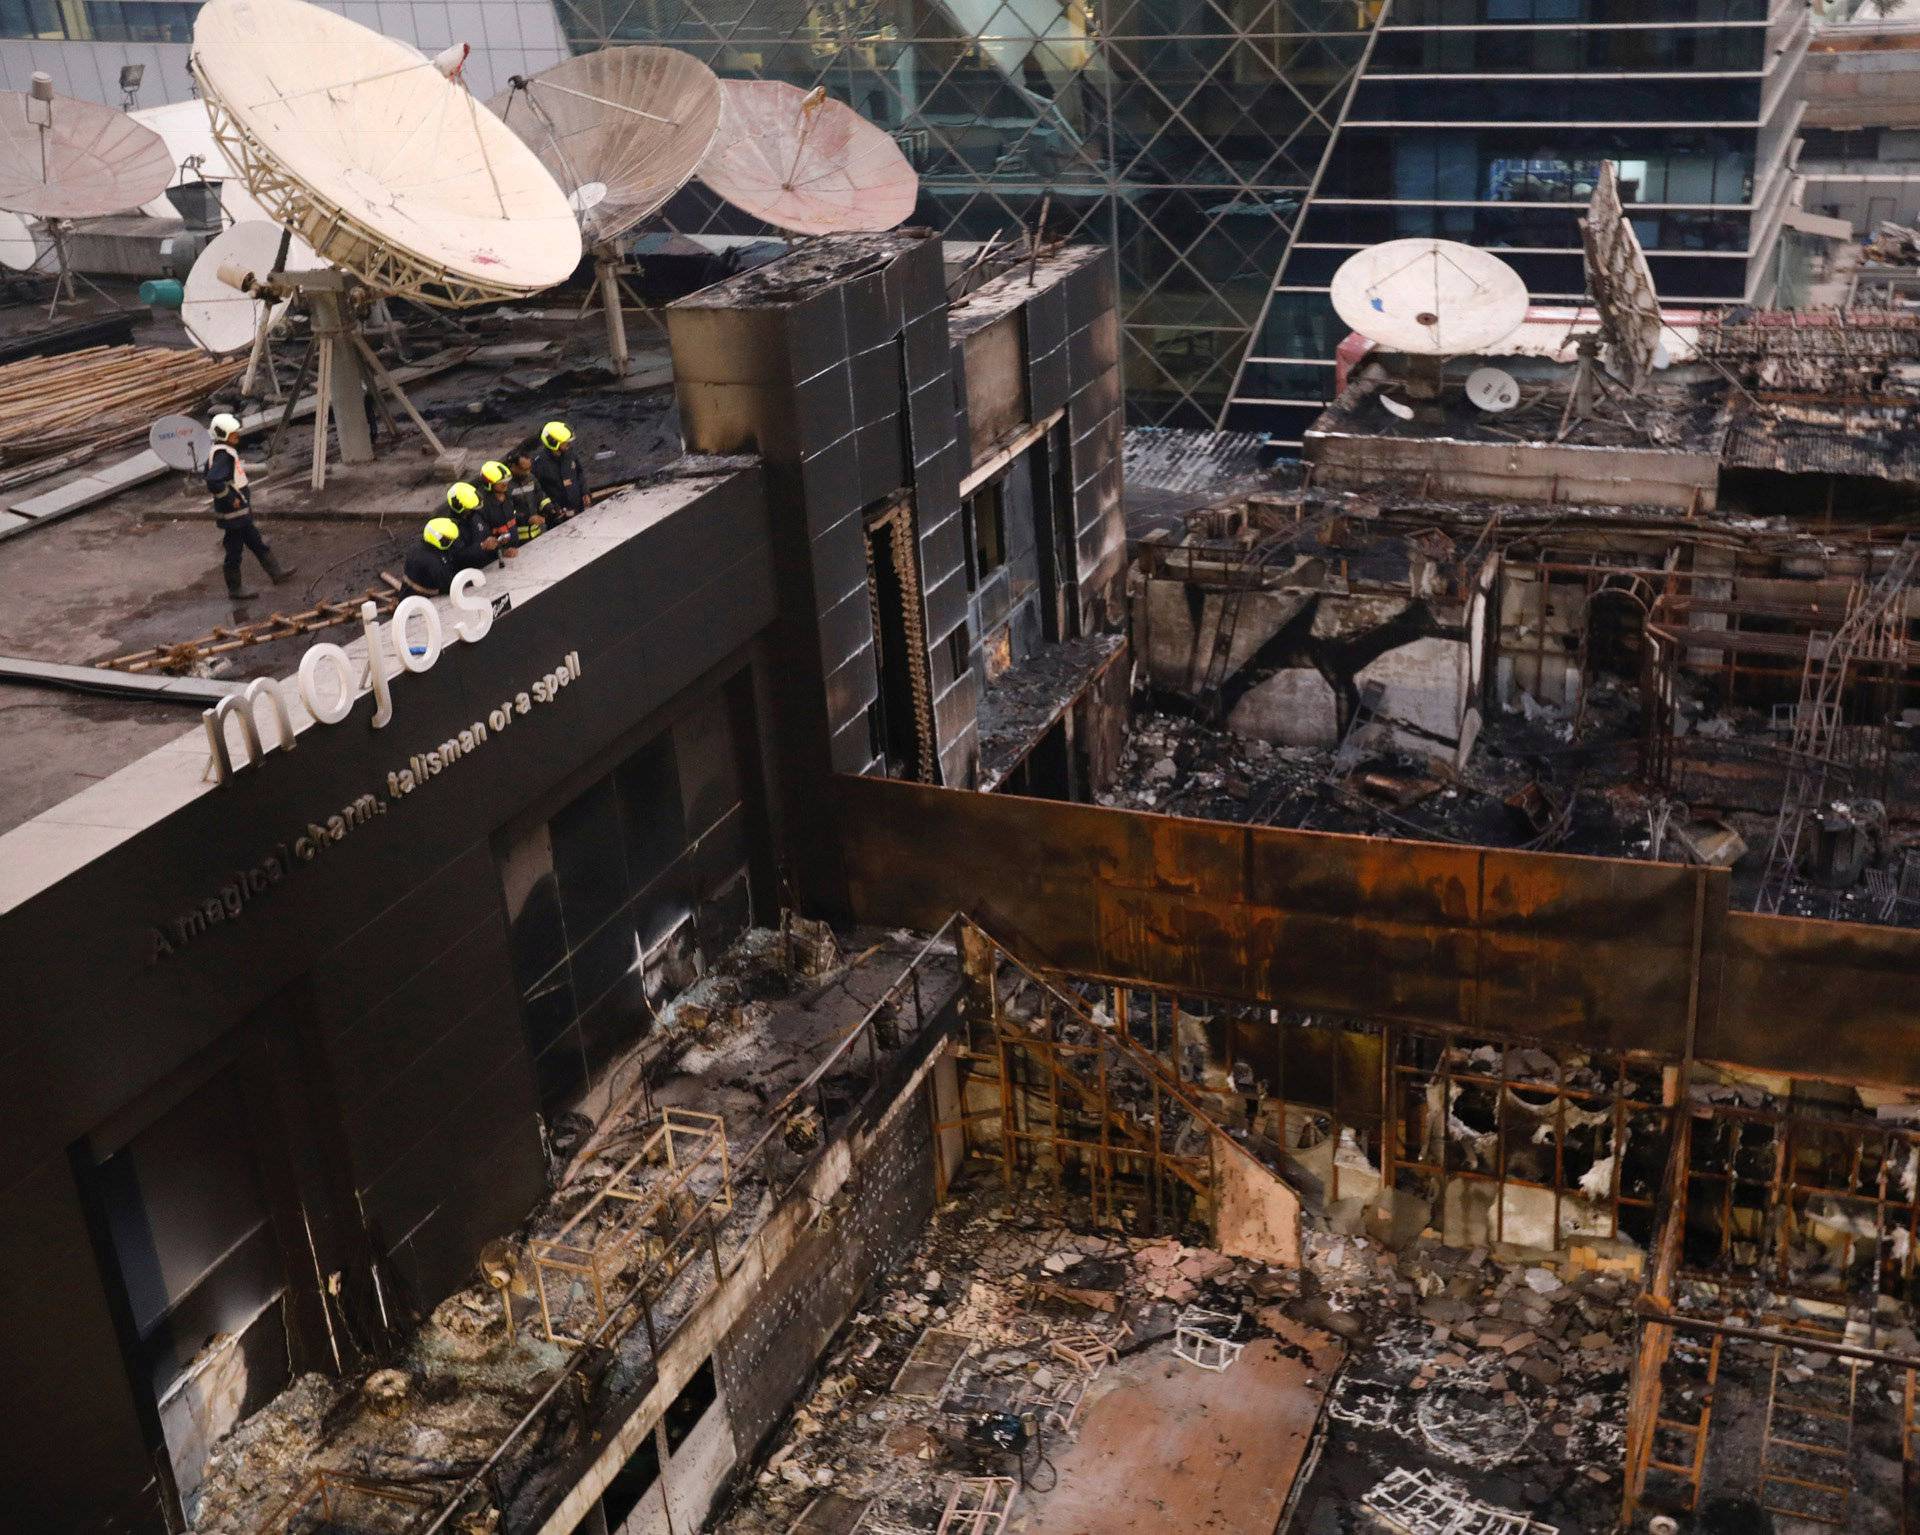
{"x":802,"y":161}
{"x":621,"y":130}
{"x":1429,"y":298}
{"x":61,"y":158}
{"x":387,"y":168}
{"x":222,"y":316}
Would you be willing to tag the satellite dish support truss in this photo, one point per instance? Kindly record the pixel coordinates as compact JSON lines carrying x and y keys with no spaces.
{"x":345,"y":368}
{"x":65,"y":278}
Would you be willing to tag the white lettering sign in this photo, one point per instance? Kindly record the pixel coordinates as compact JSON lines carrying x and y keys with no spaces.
{"x":326,"y":682}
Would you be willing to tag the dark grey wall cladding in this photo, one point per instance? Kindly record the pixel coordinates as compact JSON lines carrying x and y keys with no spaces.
{"x":826,"y":399}
{"x":378,"y":970}
{"x":767,"y":1358}
{"x":1090,"y":360}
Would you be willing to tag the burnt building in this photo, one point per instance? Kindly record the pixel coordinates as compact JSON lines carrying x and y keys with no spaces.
{"x":325,"y":977}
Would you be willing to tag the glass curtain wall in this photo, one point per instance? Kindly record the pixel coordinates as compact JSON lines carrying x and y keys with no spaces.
{"x":1183,"y":134}
{"x":1486,"y":121}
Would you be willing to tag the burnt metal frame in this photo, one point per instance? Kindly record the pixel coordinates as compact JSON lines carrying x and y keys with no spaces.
{"x":693,"y":1147}
{"x":1628,"y":1112}
{"x":1790,"y":634}
{"x":1737,"y":1317}
{"x":1628,"y":1115}
{"x":332,"y":1489}
{"x":700,"y":1233}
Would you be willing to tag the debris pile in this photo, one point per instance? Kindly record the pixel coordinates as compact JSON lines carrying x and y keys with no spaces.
{"x":1509,"y":1375}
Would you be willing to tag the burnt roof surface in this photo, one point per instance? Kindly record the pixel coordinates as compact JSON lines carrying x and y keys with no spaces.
{"x":143,"y":569}
{"x":1683,"y":411}
{"x":1001,"y":296}
{"x":806,"y":271}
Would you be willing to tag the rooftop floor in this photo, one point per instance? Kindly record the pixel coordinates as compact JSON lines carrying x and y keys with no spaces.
{"x":143,"y":569}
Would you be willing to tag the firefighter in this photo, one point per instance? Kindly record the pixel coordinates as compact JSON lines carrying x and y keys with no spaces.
{"x":503,"y":510}
{"x":436,"y":559}
{"x":531,"y":506}
{"x":233,"y":508}
{"x":479,"y":545}
{"x":558,"y":469}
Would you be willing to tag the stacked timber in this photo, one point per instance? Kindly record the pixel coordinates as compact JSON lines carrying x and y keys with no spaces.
{"x":99,"y":397}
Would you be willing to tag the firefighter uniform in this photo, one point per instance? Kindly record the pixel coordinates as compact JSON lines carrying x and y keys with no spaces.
{"x":226,"y":478}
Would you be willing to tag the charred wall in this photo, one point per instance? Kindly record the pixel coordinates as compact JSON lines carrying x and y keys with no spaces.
{"x":765,"y":1361}
{"x":368,"y":992}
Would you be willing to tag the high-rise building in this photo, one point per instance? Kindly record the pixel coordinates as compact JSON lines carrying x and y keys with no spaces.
{"x":1485,"y":121}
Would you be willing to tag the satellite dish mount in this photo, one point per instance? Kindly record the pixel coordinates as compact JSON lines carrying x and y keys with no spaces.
{"x":346,"y":370}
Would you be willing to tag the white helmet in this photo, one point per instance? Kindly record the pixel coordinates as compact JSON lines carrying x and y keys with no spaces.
{"x":224,"y":427}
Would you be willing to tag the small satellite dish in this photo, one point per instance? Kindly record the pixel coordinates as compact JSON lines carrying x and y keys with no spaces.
{"x":1395,"y":408}
{"x":802,"y":161}
{"x":1493,"y":389}
{"x":1429,"y":298}
{"x":621,"y":130}
{"x":387,"y":168}
{"x":19,"y":251}
{"x":180,"y":442}
{"x":61,"y":158}
{"x":221,"y":316}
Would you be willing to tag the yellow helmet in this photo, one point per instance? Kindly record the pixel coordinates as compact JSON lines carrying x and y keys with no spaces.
{"x":556,"y":435}
{"x":443,"y":532}
{"x":494,"y":472}
{"x":462,"y":497}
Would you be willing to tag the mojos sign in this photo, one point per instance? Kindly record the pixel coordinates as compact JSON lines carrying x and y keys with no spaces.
{"x":329,"y":681}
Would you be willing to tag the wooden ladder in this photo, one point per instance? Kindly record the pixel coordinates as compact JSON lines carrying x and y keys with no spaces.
{"x":1693,"y":1468}
{"x":1801,"y":1449}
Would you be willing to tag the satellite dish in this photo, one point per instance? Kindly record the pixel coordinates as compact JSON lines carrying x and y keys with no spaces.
{"x":19,"y":251}
{"x":802,"y":161}
{"x":1621,"y":283}
{"x":183,"y":127}
{"x":218,"y":314}
{"x":61,"y":158}
{"x":1395,"y":408}
{"x":1493,"y":389}
{"x":180,"y":442}
{"x":388,"y":169}
{"x":1429,"y":298}
{"x":621,"y":130}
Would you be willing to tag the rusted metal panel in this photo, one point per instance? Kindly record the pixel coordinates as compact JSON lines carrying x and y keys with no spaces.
{"x":1832,"y":999}
{"x":1604,"y":953}
{"x":1593,"y":951}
